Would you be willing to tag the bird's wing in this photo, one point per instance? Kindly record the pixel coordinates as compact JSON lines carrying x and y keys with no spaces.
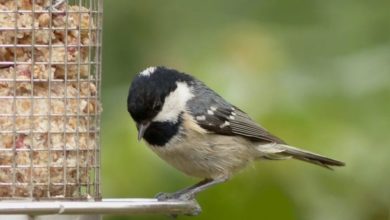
{"x":216,"y":115}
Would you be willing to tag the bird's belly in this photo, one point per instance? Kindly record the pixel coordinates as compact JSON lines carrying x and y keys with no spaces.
{"x":207,"y":158}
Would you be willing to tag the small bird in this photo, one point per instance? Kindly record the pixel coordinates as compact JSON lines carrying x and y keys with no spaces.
{"x":195,"y":130}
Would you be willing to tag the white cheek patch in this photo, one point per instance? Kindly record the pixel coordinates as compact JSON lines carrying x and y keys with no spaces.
{"x":175,"y":103}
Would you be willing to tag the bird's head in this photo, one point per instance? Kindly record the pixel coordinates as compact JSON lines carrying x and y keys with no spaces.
{"x":158,"y":94}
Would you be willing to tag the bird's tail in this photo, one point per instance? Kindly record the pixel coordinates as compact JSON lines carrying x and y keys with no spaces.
{"x":281,"y":151}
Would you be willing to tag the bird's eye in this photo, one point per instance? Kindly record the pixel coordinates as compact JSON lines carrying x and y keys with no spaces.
{"x":157,"y":106}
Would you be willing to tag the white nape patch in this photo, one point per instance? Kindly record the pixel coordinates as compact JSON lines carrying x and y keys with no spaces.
{"x":148,"y":71}
{"x":200,"y":118}
{"x":232,"y":117}
{"x":175,"y":103}
{"x":224,"y":124}
{"x":210,"y":112}
{"x":212,"y":108}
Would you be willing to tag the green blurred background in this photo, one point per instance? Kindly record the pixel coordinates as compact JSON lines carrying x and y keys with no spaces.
{"x":316,"y":73}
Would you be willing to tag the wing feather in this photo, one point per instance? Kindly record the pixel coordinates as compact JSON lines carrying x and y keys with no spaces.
{"x":216,"y":115}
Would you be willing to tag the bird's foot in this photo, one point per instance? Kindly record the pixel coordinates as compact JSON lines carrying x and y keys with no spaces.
{"x":182,"y":196}
{"x":175,"y":196}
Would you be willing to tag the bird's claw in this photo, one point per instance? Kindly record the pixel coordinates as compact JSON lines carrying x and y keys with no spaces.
{"x":175,"y":196}
{"x":181,"y":196}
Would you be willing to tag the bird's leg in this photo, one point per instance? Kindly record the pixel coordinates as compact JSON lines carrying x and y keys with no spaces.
{"x":189,"y":193}
{"x":165,"y":196}
{"x":193,"y":186}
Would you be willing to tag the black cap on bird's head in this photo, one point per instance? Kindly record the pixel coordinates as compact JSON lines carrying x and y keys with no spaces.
{"x":148,"y":92}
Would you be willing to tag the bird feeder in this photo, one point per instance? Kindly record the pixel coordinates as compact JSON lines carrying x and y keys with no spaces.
{"x":50,"y":77}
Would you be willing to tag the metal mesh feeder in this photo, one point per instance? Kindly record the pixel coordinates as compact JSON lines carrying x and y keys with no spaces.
{"x":50,"y":77}
{"x":49,"y":98}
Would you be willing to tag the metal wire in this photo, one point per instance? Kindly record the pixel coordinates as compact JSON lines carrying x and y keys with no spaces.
{"x":50,"y":77}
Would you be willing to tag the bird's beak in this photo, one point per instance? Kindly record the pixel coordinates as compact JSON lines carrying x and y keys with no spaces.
{"x":141,"y":129}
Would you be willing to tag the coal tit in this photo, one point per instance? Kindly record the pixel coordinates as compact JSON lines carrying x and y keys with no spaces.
{"x":195,"y":130}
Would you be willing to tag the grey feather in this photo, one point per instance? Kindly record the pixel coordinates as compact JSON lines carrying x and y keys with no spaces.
{"x":309,"y":156}
{"x":238,"y":122}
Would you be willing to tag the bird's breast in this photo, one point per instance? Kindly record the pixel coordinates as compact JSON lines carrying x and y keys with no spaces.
{"x":205,"y":155}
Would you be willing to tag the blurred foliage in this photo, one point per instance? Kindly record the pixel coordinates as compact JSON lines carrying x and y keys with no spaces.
{"x":316,"y":73}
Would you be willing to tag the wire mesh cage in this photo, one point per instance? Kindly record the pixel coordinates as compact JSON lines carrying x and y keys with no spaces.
{"x":50,"y":79}
{"x":50,"y":76}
